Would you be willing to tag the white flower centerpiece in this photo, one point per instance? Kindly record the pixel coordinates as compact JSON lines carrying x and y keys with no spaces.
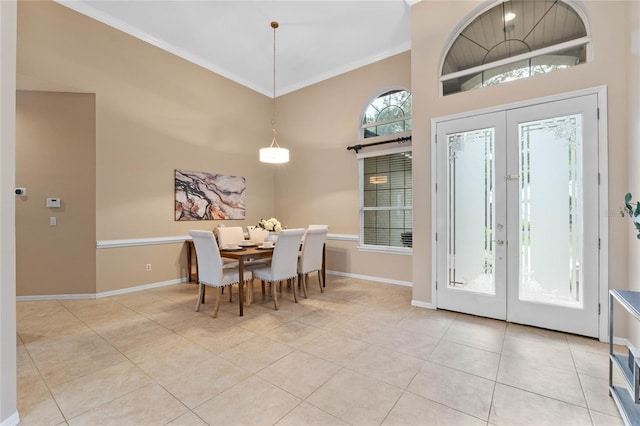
{"x":273,"y":226}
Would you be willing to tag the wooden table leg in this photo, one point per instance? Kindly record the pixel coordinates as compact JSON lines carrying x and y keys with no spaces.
{"x":241,"y":285}
{"x":324,"y":281}
{"x":189,"y":259}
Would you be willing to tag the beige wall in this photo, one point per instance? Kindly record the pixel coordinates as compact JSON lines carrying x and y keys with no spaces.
{"x":432,"y":25}
{"x":55,"y":157}
{"x":131,"y":263}
{"x":632,"y":46}
{"x":320,"y":184}
{"x":8,"y":391}
{"x":154,"y":113}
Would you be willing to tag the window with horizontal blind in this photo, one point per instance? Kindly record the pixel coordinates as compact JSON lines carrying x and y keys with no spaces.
{"x":386,"y":200}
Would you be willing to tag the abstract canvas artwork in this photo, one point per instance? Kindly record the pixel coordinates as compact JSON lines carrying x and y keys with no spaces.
{"x":206,"y":196}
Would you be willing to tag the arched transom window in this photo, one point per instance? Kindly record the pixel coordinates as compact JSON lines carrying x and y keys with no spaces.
{"x":388,"y":113}
{"x":512,"y":40}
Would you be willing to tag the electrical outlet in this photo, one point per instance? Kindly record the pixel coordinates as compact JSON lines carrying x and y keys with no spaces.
{"x":148,"y":267}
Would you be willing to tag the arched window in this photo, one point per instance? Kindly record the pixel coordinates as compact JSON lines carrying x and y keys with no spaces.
{"x":387,"y":114}
{"x":512,"y":40}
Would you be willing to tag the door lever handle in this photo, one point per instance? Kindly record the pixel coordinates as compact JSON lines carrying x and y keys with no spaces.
{"x":499,"y":242}
{"x":511,"y":177}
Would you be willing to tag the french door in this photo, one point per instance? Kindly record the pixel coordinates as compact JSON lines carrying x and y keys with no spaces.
{"x":517,"y":215}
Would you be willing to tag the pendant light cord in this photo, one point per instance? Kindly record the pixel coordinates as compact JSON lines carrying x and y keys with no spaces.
{"x":274,"y":25}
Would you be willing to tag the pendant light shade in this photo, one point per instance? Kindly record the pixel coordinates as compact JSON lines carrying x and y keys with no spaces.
{"x":274,"y":153}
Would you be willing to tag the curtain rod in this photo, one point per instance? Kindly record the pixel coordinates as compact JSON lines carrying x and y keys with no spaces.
{"x":357,"y":148}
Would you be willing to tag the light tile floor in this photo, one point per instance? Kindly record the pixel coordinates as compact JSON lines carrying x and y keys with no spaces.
{"x":357,"y":354}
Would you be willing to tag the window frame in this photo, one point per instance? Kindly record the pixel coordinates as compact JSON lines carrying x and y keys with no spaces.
{"x":377,"y":153}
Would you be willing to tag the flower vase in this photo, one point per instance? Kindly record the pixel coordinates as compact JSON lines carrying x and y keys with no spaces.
{"x":272,"y":237}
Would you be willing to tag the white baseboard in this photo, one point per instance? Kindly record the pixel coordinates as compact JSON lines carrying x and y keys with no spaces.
{"x":178,"y":281}
{"x":370,"y":278}
{"x":140,"y":287}
{"x":102,"y":294}
{"x":420,"y":304}
{"x":12,"y":420}
{"x":618,"y":341}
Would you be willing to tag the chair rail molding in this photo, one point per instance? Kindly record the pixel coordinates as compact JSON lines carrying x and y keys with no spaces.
{"x":132,"y":242}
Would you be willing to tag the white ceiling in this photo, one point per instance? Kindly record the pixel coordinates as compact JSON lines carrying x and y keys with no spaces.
{"x":317,"y":39}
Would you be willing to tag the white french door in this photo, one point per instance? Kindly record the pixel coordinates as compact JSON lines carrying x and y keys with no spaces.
{"x":517,"y":215}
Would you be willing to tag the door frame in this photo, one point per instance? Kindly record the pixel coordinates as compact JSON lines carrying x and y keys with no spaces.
{"x":603,"y":193}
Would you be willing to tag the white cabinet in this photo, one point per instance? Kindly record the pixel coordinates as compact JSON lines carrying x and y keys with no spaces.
{"x":627,"y":397}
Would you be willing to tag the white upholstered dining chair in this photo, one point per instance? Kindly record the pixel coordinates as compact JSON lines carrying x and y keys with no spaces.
{"x":311,"y":258}
{"x":229,"y":235}
{"x":316,"y":227}
{"x":210,"y":268}
{"x":257,"y":234}
{"x":283,"y":263}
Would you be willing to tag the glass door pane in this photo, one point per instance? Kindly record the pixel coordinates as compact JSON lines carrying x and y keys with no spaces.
{"x":553,"y":223}
{"x":471,"y":211}
{"x":550,"y":199}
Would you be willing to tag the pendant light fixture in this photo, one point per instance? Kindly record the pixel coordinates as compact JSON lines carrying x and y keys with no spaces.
{"x":274,"y":154}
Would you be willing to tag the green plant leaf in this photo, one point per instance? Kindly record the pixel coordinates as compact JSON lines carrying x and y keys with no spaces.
{"x":627,"y":201}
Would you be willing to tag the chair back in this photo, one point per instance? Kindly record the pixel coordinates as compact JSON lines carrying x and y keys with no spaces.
{"x":311,"y":257}
{"x":229,"y":235}
{"x":209,"y":260}
{"x":318,"y":227}
{"x":314,"y":227}
{"x":257,"y":234}
{"x":284,"y":263}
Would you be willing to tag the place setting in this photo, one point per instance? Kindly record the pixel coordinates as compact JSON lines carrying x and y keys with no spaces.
{"x":233,"y":247}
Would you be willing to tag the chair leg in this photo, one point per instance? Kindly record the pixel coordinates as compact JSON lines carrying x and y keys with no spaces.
{"x":274,"y":292}
{"x":230,"y":293}
{"x":320,"y":282}
{"x":295,"y":290}
{"x":200,"y":296}
{"x":248,"y":293}
{"x":217,"y":304}
{"x":303,"y":283}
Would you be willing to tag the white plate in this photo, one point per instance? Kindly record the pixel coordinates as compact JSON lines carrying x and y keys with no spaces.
{"x":247,"y":244}
{"x":232,"y":248}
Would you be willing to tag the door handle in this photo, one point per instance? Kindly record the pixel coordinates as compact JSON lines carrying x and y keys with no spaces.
{"x":499,"y":242}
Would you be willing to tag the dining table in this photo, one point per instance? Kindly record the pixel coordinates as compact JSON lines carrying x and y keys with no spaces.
{"x":243,"y":255}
